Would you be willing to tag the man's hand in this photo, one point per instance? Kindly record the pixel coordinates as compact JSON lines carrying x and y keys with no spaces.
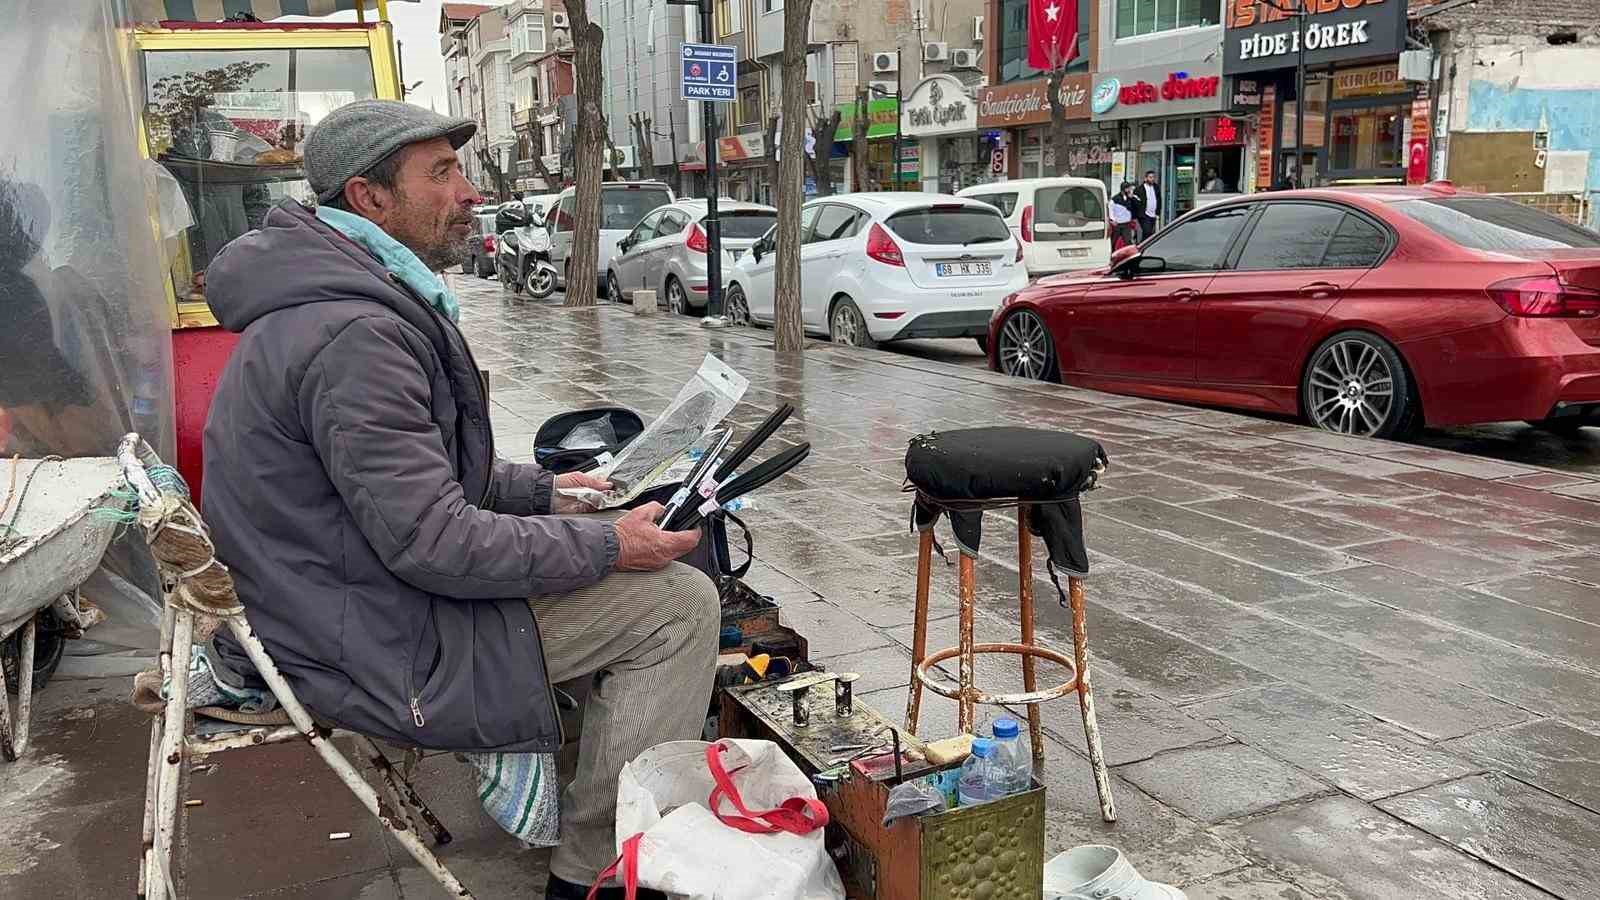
{"x":565,"y":505}
{"x":645,"y":547}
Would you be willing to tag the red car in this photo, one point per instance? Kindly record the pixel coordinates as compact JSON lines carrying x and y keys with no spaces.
{"x":1368,"y":311}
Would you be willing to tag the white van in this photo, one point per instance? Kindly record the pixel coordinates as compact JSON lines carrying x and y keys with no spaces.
{"x":1061,"y":222}
{"x":622,"y":205}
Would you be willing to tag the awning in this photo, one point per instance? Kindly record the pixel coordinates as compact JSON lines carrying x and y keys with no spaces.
{"x":217,"y":10}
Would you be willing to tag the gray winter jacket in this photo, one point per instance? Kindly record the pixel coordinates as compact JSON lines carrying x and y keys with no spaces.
{"x":382,"y":551}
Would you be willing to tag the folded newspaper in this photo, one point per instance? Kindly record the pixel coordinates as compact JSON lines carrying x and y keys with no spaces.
{"x":662,"y":450}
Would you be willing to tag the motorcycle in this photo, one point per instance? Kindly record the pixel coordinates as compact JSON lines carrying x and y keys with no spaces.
{"x":522,"y":258}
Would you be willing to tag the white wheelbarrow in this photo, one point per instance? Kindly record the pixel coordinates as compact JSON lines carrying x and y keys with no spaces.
{"x":50,"y":543}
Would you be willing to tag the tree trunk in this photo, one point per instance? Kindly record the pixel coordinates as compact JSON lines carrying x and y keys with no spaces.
{"x":643,"y":138}
{"x":588,"y":143}
{"x":1058,"y":123}
{"x":551,"y":182}
{"x":858,"y":144}
{"x":771,"y":149}
{"x":822,"y":131}
{"x":788,"y":183}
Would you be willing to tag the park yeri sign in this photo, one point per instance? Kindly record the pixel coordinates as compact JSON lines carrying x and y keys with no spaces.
{"x":1261,"y":36}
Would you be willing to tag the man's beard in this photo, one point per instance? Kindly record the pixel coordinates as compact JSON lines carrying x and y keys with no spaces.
{"x":441,"y":256}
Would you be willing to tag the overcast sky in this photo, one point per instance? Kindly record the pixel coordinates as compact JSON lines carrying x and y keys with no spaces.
{"x":416,"y":27}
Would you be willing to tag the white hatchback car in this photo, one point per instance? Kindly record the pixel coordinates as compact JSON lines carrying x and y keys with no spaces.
{"x":888,"y":267}
{"x":1061,"y":222}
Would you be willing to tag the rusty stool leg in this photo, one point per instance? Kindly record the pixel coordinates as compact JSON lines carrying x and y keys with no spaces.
{"x":919,"y":640}
{"x":967,"y":661}
{"x":1025,"y":592}
{"x":1091,"y":727}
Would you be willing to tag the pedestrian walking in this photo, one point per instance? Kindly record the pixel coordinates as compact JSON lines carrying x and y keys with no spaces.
{"x":1150,"y":194}
{"x":1125,"y":209}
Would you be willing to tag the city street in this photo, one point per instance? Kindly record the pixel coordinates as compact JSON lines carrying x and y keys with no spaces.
{"x":1326,"y":667}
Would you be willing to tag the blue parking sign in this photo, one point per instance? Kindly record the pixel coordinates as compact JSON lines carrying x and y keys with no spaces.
{"x":710,"y":72}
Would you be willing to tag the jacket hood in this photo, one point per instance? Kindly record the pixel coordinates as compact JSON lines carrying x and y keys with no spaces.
{"x":293,"y":259}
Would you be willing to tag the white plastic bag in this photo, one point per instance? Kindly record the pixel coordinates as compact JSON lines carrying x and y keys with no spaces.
{"x":686,"y":850}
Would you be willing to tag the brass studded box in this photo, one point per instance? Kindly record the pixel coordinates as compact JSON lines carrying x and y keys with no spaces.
{"x":994,"y":851}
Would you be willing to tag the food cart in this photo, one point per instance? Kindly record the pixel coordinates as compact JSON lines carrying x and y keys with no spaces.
{"x":226,"y":108}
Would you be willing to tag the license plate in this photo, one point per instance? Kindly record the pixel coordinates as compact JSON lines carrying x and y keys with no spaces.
{"x":1074,"y":252}
{"x":948,"y":270}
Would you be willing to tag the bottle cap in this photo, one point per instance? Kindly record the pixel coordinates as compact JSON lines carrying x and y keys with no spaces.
{"x":983,"y":747}
{"x":1006,"y":727}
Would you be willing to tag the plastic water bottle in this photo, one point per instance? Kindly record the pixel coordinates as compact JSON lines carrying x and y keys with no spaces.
{"x":978,"y":781}
{"x":1013,"y":760}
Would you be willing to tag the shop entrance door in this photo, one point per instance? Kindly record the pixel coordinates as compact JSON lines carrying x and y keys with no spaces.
{"x":1180,"y":184}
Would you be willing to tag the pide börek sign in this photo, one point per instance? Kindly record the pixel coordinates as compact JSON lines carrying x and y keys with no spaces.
{"x":1260,"y":36}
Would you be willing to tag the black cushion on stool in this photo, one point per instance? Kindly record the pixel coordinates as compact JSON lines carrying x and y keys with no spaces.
{"x":957,"y":471}
{"x":1002,"y":462}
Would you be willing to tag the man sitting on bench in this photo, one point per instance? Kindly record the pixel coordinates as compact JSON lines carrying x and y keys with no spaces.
{"x":410,"y":585}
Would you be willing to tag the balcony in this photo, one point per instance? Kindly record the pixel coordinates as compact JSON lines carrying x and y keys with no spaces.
{"x":522,"y":118}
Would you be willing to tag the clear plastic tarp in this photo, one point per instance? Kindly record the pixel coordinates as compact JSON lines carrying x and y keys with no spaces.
{"x":85,"y":322}
{"x":85,"y":327}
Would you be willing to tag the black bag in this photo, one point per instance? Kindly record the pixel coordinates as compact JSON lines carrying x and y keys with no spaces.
{"x":611,"y":427}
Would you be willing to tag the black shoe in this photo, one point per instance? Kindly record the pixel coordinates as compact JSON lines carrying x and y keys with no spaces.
{"x":562,"y":889}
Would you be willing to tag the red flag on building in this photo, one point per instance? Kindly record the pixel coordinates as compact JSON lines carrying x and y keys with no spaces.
{"x":1052,"y":33}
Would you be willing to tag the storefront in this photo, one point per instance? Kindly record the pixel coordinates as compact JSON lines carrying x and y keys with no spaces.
{"x":882,"y":121}
{"x":940,"y":121}
{"x":742,"y":173}
{"x":1014,"y":119}
{"x":1358,"y":113}
{"x":1163,"y":114}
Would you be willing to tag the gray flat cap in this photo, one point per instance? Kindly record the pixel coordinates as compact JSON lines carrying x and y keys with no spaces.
{"x":357,"y":136}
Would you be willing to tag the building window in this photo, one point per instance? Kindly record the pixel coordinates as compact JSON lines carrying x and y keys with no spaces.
{"x":1367,"y":139}
{"x":750,"y":105}
{"x":1135,"y":17}
{"x":528,"y":37}
{"x":1012,"y":43}
{"x":771,"y":5}
{"x":728,"y":16}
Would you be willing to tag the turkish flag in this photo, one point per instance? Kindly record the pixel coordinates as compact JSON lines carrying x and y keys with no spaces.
{"x":1052,"y":33}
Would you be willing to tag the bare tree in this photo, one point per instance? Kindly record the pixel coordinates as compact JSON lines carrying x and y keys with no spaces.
{"x":492,"y":166}
{"x":787,"y":183}
{"x":584,"y":264}
{"x":645,"y":140}
{"x":858,"y":143}
{"x":613,"y":159}
{"x":821,"y":159}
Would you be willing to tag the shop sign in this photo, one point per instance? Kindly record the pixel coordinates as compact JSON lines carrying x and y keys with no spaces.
{"x":1223,"y":131}
{"x":1260,"y":35}
{"x":741,"y":147}
{"x":881,"y":115}
{"x":1246,"y":92}
{"x":1028,"y":102}
{"x":1370,"y":81}
{"x":1158,"y":91}
{"x":939,"y":105}
{"x":1265,"y":127}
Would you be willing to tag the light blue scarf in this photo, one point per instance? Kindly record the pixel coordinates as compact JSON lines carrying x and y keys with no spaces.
{"x":396,"y":257}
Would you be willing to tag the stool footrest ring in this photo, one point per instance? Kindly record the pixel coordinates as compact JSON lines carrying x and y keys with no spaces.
{"x":953,"y":692}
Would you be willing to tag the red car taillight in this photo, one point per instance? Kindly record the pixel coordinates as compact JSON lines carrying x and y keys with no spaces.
{"x":697,"y":239}
{"x":1027,"y":222}
{"x":1544,"y":296}
{"x":488,"y":243}
{"x":882,"y":248}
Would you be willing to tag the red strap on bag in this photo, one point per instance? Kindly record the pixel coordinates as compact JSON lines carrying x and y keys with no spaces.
{"x":797,"y":815}
{"x":627,"y":863}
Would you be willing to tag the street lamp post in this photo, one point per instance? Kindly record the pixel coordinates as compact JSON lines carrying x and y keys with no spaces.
{"x":1300,"y":12}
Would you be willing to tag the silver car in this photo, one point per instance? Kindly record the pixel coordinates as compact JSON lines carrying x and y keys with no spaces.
{"x":666,"y":251}
{"x":622,"y":205}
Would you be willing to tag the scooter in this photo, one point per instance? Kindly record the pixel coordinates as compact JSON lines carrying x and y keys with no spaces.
{"x":522,"y":257}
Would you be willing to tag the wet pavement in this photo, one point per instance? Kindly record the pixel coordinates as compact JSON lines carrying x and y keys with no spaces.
{"x":1326,"y":667}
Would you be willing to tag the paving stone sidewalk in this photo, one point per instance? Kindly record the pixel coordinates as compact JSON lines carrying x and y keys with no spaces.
{"x":1326,"y":667}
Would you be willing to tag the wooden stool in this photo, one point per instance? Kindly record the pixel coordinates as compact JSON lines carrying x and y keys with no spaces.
{"x":964,"y":474}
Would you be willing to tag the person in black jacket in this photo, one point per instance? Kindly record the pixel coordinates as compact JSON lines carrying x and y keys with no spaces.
{"x":1125,"y":210}
{"x":1151,"y":202}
